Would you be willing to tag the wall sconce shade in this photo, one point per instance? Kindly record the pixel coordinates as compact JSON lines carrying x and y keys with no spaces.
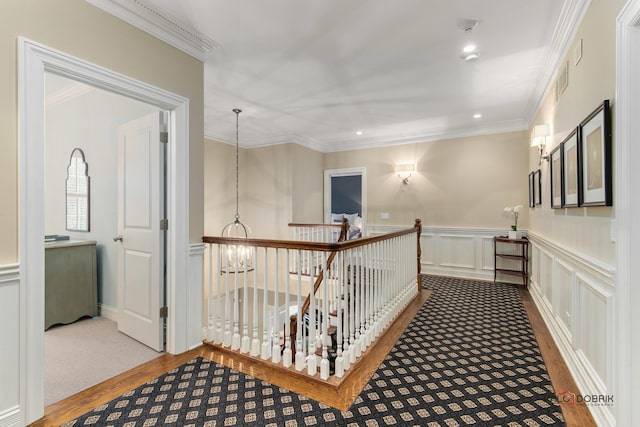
{"x":405,"y":170}
{"x":539,"y":139}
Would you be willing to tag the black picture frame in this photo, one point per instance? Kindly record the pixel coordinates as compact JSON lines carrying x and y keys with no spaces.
{"x":555,"y":177}
{"x":570,"y":166}
{"x":595,"y":170}
{"x":537,"y":184}
{"x":532,"y":191}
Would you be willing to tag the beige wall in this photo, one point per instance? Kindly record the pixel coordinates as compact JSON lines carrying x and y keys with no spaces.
{"x":590,"y":82}
{"x":81,"y":30}
{"x":278,"y":184}
{"x":308,"y":176}
{"x":464,"y":182}
{"x":219,"y":188}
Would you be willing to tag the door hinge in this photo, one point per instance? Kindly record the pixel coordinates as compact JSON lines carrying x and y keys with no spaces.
{"x":164,"y":137}
{"x":164,"y":224}
{"x":164,"y":312}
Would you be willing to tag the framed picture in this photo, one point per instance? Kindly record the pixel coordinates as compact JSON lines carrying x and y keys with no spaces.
{"x":555,"y":175}
{"x":537,"y":184}
{"x":532,"y":191}
{"x":570,"y":162}
{"x":595,"y":158}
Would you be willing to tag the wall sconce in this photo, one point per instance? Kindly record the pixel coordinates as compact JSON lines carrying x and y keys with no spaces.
{"x":405,"y":171}
{"x":539,"y":139}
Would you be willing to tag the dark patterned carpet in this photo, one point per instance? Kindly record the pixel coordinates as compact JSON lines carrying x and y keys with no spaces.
{"x":469,"y":357}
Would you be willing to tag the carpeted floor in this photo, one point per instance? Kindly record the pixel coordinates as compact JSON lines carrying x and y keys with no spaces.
{"x":85,"y":353}
{"x":469,"y":357}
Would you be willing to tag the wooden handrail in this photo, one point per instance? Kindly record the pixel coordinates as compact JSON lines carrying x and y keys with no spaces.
{"x":336,"y":225}
{"x":303,"y":245}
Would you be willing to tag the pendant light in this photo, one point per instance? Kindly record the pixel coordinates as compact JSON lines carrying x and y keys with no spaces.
{"x":239,"y":257}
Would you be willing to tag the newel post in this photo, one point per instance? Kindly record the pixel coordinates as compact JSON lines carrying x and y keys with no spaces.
{"x":344,"y":230}
{"x":418,"y":227}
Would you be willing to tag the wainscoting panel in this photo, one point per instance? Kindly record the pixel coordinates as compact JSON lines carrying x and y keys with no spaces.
{"x":456,"y":252}
{"x":575,"y":294}
{"x":595,"y":313}
{"x":10,"y":413}
{"x":429,"y":249}
{"x":563,"y":296}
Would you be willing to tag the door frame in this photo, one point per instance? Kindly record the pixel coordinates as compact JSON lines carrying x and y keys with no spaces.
{"x":627,"y":107}
{"x":356,"y":171}
{"x":34,"y":60}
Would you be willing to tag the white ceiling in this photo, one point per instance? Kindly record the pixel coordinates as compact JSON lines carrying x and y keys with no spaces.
{"x":316,"y":71}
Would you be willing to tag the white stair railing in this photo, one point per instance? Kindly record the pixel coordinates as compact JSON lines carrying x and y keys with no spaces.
{"x":353,"y":290}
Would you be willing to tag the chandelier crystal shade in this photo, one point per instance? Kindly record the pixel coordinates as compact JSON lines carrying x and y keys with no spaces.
{"x":238,"y":258}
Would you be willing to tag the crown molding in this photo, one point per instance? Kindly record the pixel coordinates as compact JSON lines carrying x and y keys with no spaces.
{"x":360,"y":144}
{"x":286,"y":138}
{"x":495,"y":128}
{"x":146,"y":17}
{"x":571,"y":16}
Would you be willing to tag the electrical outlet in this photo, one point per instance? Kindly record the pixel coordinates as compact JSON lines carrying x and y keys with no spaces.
{"x":384,"y":215}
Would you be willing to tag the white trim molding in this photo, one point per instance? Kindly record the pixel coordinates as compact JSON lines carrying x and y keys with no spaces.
{"x":571,"y":16}
{"x":151,"y":19}
{"x":195,"y":295}
{"x":34,"y":60}
{"x":575,"y":296}
{"x":11,"y":410}
{"x":627,"y":197}
{"x":356,"y":171}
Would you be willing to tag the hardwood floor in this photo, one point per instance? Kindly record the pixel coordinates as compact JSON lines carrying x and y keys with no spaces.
{"x":337,"y":395}
{"x":578,"y":415}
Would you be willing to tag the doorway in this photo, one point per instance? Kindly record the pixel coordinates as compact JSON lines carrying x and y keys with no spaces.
{"x":34,"y":60}
{"x":345,"y":189}
{"x":80,"y":118}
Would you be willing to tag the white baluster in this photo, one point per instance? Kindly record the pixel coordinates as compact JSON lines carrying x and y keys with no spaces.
{"x":311,"y":330}
{"x":342,"y":311}
{"x":219,"y":333}
{"x":287,"y":354}
{"x":266,"y":344}
{"x":357,"y":315}
{"x":235,"y":344}
{"x":299,"y":318}
{"x":352,"y":308}
{"x":255,"y":343}
{"x":324,"y":363}
{"x":246,"y":341}
{"x":210,"y":311}
{"x":275,"y":334}
{"x":227,"y":304}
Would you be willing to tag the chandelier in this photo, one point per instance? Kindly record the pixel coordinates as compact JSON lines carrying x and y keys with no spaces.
{"x":239,"y":258}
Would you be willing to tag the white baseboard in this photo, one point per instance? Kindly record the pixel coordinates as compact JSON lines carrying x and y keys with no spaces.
{"x":11,"y":417}
{"x":108,"y":312}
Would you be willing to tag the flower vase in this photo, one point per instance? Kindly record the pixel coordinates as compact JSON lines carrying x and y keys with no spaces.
{"x":515,"y":234}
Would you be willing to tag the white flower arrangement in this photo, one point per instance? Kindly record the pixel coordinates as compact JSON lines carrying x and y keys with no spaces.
{"x":514,"y":212}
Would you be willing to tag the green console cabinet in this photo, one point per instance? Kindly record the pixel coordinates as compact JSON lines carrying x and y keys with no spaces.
{"x":70,"y":281}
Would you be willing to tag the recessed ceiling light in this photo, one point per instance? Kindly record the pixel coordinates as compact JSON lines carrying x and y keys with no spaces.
{"x":477,"y":116}
{"x":359,"y":132}
{"x":469,"y":48}
{"x":470,"y":57}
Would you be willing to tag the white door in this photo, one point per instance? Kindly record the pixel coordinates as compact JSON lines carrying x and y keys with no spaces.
{"x":140,"y":235}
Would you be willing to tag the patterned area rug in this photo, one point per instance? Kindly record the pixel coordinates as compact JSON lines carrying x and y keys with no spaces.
{"x":469,"y":357}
